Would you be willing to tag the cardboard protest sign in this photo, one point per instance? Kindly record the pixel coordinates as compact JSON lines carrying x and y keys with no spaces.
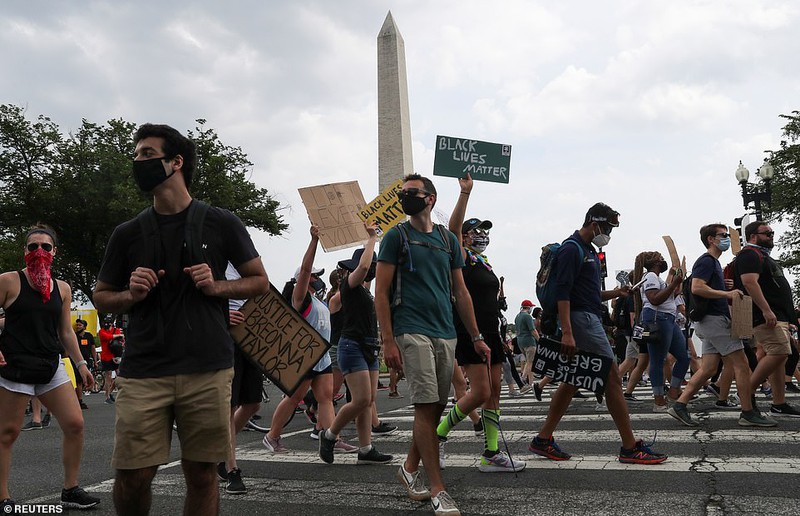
{"x":736,"y":241}
{"x":484,"y":161}
{"x":278,"y":340}
{"x":585,"y":370}
{"x":673,"y":252}
{"x":334,"y":208}
{"x":742,"y":317}
{"x":384,"y":210}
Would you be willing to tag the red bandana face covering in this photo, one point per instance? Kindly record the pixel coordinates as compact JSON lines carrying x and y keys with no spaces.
{"x":38,"y":263}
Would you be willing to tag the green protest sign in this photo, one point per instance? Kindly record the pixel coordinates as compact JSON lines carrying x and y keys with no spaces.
{"x":484,"y":161}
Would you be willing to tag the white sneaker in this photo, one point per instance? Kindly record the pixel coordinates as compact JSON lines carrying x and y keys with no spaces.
{"x":413,"y":484}
{"x":600,"y":407}
{"x":500,"y":463}
{"x":443,"y":504}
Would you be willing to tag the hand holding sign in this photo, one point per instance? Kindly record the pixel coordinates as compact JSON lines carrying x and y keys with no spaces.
{"x":465,"y":183}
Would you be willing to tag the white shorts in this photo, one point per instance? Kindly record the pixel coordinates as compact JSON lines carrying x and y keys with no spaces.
{"x":61,"y":377}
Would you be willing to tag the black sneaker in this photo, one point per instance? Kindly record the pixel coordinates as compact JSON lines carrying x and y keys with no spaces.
{"x":373,"y":456}
{"x":712,"y":389}
{"x":548,"y":448}
{"x":784,"y":410}
{"x":630,"y":397}
{"x":478,"y":428}
{"x":235,"y":484}
{"x":641,"y":453}
{"x":46,"y":420}
{"x":791,"y":387}
{"x":537,"y":391}
{"x":77,"y":498}
{"x":31,"y":425}
{"x":579,"y":395}
{"x":383,"y":429}
{"x":222,"y":472}
{"x":252,"y":426}
{"x":314,"y":434}
{"x":83,"y":405}
{"x":326,"y":447}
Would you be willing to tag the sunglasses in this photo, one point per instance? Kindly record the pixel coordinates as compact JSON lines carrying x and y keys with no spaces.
{"x":412,"y":192}
{"x":769,"y":234}
{"x":35,"y":245}
{"x":723,"y":235}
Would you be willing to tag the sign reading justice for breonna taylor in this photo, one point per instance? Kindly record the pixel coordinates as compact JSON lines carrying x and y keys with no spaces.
{"x":483,"y":161}
{"x":585,"y":370}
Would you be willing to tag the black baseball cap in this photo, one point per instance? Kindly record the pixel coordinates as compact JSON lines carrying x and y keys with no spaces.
{"x":352,"y":263}
{"x":473,"y":223}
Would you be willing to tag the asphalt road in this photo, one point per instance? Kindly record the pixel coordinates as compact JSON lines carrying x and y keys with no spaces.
{"x":717,"y":468}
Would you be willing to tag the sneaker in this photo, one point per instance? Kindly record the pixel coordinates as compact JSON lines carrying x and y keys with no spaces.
{"x":373,"y":456}
{"x":382,"y":387}
{"x":755,"y":418}
{"x":680,"y":413}
{"x":579,"y":395}
{"x":640,"y":454}
{"x":113,"y":398}
{"x":383,"y":429}
{"x":338,"y":397}
{"x":314,"y":434}
{"x":77,"y":498}
{"x":274,"y":445}
{"x":31,"y":425}
{"x":791,"y":387}
{"x":443,"y":504}
{"x":235,"y":484}
{"x":767,"y":392}
{"x":630,"y":397}
{"x":326,"y":447}
{"x":499,"y":463}
{"x":726,"y":405}
{"x":525,"y":389}
{"x":600,"y":406}
{"x":442,"y":441}
{"x":537,"y":391}
{"x":478,"y":428}
{"x":413,"y":484}
{"x":343,"y":446}
{"x":712,"y":389}
{"x":548,"y":448}
{"x":83,"y":405}
{"x":660,"y":408}
{"x":252,"y":426}
{"x":395,"y":394}
{"x":312,"y":418}
{"x":46,"y":420}
{"x":109,"y":400}
{"x":784,"y":409}
{"x":514,"y":394}
{"x":222,"y":471}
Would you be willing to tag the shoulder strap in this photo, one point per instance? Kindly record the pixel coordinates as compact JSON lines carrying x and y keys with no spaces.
{"x":193,"y":232}
{"x":443,"y":233}
{"x":151,"y":241}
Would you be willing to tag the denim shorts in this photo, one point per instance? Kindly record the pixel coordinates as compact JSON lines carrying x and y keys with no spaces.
{"x":589,"y":334}
{"x":351,"y":359}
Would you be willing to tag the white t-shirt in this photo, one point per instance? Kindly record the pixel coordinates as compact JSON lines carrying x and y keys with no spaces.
{"x":653,"y":282}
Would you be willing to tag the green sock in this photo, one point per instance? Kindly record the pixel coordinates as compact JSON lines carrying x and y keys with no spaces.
{"x":491,"y":428}
{"x":454,"y":417}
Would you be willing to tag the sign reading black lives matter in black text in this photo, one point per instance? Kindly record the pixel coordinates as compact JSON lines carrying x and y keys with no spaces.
{"x":585,"y":370}
{"x":278,"y":340}
{"x":483,"y":161}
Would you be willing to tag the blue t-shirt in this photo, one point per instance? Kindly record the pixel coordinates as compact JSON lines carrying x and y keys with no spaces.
{"x":578,"y":280}
{"x":525,"y":326}
{"x":425,"y":306}
{"x":708,"y":269}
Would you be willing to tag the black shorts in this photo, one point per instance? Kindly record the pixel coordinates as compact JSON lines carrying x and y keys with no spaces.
{"x":247,"y":381}
{"x":108,"y":365}
{"x":465,"y":349}
{"x":313,"y":374}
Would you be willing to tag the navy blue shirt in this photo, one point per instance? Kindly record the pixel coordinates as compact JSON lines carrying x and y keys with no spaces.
{"x":578,"y":279}
{"x":708,"y":269}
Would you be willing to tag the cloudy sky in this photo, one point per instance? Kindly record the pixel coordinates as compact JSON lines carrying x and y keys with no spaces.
{"x":647,"y":106}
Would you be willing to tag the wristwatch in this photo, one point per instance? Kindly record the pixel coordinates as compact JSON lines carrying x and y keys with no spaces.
{"x":477,"y":337}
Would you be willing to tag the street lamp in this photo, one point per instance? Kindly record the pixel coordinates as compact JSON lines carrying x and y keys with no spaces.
{"x":751,"y":194}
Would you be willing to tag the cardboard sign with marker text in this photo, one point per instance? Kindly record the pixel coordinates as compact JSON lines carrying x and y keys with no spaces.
{"x":334,"y":208}
{"x":384,"y":210}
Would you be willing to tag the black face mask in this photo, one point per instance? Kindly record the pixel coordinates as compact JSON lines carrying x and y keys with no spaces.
{"x":149,"y":173}
{"x":661,"y":266}
{"x":412,"y":205}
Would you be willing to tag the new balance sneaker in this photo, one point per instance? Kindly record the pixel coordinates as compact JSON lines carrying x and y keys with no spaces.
{"x":679,"y":412}
{"x":326,"y":447}
{"x":274,"y":445}
{"x":478,"y":428}
{"x":443,"y":505}
{"x":784,"y":410}
{"x":413,"y":484}
{"x":755,"y":418}
{"x":373,"y":456}
{"x":630,"y":397}
{"x":314,"y":434}
{"x":383,"y":429}
{"x":343,"y":446}
{"x":726,"y":405}
{"x":222,"y":471}
{"x":77,"y":498}
{"x":31,"y":425}
{"x":235,"y":484}
{"x":442,"y":441}
{"x":640,"y":454}
{"x":500,"y":462}
{"x":548,"y":448}
{"x":537,"y":391}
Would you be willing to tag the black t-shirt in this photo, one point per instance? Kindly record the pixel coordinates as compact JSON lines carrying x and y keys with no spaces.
{"x":483,"y":287}
{"x":195,"y":335}
{"x":773,"y":283}
{"x":336,"y":327}
{"x":86,"y":344}
{"x":358,"y":307}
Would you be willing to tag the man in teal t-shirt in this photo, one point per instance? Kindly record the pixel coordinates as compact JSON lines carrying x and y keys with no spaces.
{"x":526,"y":339}
{"x":418,"y":271}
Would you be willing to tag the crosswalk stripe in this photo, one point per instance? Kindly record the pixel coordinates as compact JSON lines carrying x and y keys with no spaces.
{"x":599,"y":417}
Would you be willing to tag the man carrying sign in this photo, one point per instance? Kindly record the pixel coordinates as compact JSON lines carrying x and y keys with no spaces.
{"x":580,"y":304}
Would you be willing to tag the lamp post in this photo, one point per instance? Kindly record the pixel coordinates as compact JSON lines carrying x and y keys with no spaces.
{"x":751,"y":194}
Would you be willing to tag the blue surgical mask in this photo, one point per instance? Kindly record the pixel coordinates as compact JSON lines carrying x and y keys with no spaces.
{"x":724,"y":244}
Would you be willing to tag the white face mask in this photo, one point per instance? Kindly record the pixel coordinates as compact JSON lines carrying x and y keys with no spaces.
{"x":601,"y":239}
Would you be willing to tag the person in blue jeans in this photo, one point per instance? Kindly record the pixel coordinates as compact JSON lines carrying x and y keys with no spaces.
{"x":657,"y":303}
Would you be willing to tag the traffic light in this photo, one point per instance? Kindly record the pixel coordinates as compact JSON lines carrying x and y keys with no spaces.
{"x":603,"y":269}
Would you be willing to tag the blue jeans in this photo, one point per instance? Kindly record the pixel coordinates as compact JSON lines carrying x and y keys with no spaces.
{"x":670,"y":340}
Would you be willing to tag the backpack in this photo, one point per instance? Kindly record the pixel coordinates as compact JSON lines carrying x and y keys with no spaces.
{"x":696,"y":306}
{"x":404,"y":259}
{"x":730,"y":272}
{"x":546,"y":284}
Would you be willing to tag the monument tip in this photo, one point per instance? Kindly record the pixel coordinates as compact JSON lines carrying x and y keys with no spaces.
{"x":389,"y":27}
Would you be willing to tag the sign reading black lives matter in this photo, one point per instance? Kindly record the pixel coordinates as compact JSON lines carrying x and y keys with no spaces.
{"x":278,"y":340}
{"x":585,"y":370}
{"x":484,"y":161}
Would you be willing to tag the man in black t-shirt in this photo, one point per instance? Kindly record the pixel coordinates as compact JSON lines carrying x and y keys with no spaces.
{"x":179,"y":354}
{"x":89,"y":353}
{"x":761,"y":276}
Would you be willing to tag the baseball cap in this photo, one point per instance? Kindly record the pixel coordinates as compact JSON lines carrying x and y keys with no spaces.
{"x":81,"y":321}
{"x":352,"y":263}
{"x":526,"y":303}
{"x":473,"y":223}
{"x":315,"y":271}
{"x":602,"y":212}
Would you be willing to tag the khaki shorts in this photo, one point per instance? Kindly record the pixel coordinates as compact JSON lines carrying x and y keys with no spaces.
{"x":428,"y":365}
{"x":775,"y":340}
{"x":530,"y":354}
{"x":146,"y":407}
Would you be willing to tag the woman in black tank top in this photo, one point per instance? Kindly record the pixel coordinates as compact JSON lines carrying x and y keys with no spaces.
{"x":37,"y":331}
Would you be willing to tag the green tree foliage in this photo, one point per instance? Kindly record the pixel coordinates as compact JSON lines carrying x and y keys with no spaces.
{"x":786,"y":193}
{"x":81,"y":185}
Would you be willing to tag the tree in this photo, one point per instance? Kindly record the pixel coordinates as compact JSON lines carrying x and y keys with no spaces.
{"x":786,"y":194}
{"x":81,"y":185}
